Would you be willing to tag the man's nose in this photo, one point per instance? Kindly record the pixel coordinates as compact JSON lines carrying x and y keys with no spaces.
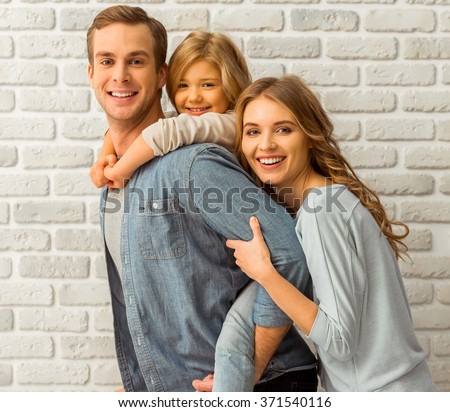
{"x":121,"y":73}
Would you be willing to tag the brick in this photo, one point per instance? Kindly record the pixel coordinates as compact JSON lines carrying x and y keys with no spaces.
{"x":445,"y":21}
{"x":107,"y":374}
{"x":288,"y":47}
{"x":400,"y":184}
{"x":446,"y":74}
{"x":74,"y":184}
{"x":359,"y":101}
{"x":418,"y":292}
{"x":181,"y":19}
{"x":441,"y":344}
{"x":6,"y":374}
{"x":103,"y":320}
{"x":54,"y":100}
{"x":26,"y":347}
{"x":426,"y":212}
{"x":85,"y":294}
{"x":430,"y":318}
{"x":401,"y":75}
{"x":100,"y":267}
{"x":77,"y":19}
{"x":5,"y":267}
{"x":26,"y":295}
{"x":285,"y":1}
{"x":419,"y":239}
{"x":24,"y":239}
{"x":44,"y":157}
{"x":443,"y":130}
{"x":352,"y":48}
{"x":49,"y":212}
{"x":427,"y":158}
{"x":55,"y":46}
{"x":326,"y":20}
{"x":26,"y":18}
{"x":84,"y":128}
{"x":61,"y":267}
{"x":53,"y":320}
{"x":426,"y":266}
{"x":317,"y":74}
{"x":4,"y":213}
{"x":370,"y":156}
{"x":443,"y":293}
{"x":428,"y":2}
{"x":248,"y":20}
{"x":79,"y":240}
{"x":6,"y":320}
{"x":444,"y":186}
{"x":346,"y":129}
{"x":427,"y":48}
{"x":399,"y":129}
{"x":8,"y":156}
{"x":363,"y":1}
{"x":52,"y":373}
{"x":264,"y":70}
{"x":75,"y":74}
{"x":24,"y":185}
{"x":440,"y":371}
{"x":6,"y":46}
{"x":87,"y":347}
{"x":27,"y":74}
{"x":27,"y":128}
{"x":389,"y":20}
{"x":7,"y":100}
{"x":426,"y":101}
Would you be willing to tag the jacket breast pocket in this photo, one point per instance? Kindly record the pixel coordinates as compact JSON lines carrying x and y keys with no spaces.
{"x":160,"y":229}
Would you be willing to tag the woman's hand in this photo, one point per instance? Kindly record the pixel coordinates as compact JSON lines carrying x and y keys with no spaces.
{"x":253,"y":257}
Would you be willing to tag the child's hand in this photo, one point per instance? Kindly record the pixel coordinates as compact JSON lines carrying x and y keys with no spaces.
{"x":97,"y":170}
{"x":253,"y":257}
{"x":204,"y":385}
{"x":116,"y":179}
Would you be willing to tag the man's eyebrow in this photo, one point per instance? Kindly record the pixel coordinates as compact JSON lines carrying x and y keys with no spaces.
{"x":132,"y":54}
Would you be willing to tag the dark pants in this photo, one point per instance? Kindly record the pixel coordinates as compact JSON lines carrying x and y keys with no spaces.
{"x":296,"y":381}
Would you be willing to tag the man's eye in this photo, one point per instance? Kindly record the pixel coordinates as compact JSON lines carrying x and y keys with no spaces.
{"x":136,"y":62}
{"x":106,"y":62}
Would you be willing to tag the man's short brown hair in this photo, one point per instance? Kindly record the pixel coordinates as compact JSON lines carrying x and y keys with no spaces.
{"x":130,"y":15}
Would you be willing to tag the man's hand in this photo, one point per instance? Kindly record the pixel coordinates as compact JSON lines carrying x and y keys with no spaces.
{"x":97,"y":170}
{"x":204,"y":385}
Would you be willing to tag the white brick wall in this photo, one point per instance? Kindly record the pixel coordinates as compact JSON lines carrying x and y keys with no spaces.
{"x":382,"y":68}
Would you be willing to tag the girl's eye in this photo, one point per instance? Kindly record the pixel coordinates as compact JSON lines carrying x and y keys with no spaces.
{"x":284,"y":130}
{"x":252,"y":132}
{"x":182,"y":85}
{"x":208,"y":84}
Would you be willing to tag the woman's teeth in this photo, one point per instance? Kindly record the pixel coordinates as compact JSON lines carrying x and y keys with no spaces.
{"x":271,"y":161}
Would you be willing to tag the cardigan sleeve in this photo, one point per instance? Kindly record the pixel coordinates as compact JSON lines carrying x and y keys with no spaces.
{"x":170,"y":133}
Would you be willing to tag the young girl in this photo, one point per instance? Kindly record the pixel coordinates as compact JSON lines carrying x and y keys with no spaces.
{"x":360,"y":320}
{"x":206,"y":75}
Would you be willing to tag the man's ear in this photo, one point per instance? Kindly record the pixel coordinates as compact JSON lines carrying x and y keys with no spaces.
{"x":163,"y":72}
{"x":90,"y":73}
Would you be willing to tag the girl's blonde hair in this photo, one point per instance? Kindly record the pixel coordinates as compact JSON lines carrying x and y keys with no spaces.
{"x":326,"y":157}
{"x":218,"y":50}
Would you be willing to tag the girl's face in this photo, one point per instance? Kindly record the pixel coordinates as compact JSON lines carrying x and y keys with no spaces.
{"x":200,"y":90}
{"x":274,"y":145}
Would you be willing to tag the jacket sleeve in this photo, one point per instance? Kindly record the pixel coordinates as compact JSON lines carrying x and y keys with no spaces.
{"x":170,"y":133}
{"x":215,"y":174}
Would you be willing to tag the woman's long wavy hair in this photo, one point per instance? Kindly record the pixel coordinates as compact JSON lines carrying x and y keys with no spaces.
{"x":326,"y":157}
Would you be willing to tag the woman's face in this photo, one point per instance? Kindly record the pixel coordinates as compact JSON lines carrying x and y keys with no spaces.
{"x":274,"y":145}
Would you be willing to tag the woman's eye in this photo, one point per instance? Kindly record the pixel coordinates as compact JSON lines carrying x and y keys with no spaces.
{"x":283,"y":130}
{"x":251,"y":132}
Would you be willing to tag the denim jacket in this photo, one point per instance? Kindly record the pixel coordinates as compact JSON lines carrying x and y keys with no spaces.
{"x":179,"y":279}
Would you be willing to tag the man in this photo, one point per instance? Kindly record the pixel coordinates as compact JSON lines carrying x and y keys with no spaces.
{"x":171,"y":276}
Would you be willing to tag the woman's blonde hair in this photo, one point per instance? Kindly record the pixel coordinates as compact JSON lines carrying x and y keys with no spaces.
{"x":326,"y":157}
{"x":218,"y":50}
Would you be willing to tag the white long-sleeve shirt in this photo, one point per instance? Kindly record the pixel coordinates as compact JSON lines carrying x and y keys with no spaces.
{"x":170,"y":133}
{"x":363,"y":331}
